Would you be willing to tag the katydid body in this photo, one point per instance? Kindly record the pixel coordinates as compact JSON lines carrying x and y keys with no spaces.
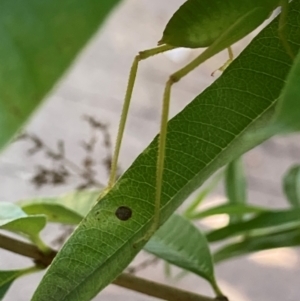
{"x":215,"y":24}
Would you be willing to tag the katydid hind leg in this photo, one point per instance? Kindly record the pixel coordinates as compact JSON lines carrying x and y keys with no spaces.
{"x":125,"y":109}
{"x":175,"y":77}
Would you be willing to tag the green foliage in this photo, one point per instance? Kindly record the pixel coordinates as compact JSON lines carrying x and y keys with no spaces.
{"x":200,"y":140}
{"x":291,"y":185}
{"x":286,"y":119}
{"x":67,"y":209}
{"x":267,"y":220}
{"x":235,"y":184}
{"x":192,"y":209}
{"x":200,"y":23}
{"x":14,"y":219}
{"x":253,"y":243}
{"x":230,"y":209}
{"x":39,"y":40}
{"x":179,"y":242}
{"x":8,"y":277}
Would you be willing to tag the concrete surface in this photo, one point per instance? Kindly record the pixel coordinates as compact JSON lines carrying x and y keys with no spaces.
{"x":95,"y":85}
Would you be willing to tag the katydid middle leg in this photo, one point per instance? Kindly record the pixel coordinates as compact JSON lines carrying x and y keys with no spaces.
{"x":175,"y":77}
{"x":220,"y":44}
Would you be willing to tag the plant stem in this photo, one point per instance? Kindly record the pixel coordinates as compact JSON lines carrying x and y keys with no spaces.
{"x":26,"y":249}
{"x":157,"y":290}
{"x":40,"y":244}
{"x":143,"y":265}
{"x":124,"y":280}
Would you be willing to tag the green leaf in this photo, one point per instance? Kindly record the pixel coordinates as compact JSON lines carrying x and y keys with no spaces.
{"x":199,"y":23}
{"x":235,"y":185}
{"x":209,"y":133}
{"x":39,"y":40}
{"x":8,"y":277}
{"x":287,"y":238}
{"x":283,"y":218}
{"x":66,"y":209}
{"x":179,"y":242}
{"x":13,"y":218}
{"x":230,"y":209}
{"x":291,"y":185}
{"x":55,"y":213}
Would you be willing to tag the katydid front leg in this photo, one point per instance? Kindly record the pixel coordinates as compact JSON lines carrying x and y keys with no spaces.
{"x":126,"y":104}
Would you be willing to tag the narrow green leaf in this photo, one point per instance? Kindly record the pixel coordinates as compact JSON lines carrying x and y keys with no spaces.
{"x":287,"y":238}
{"x":200,"y":141}
{"x":4,"y":288}
{"x":230,"y":209}
{"x":179,"y":242}
{"x":282,"y":219}
{"x":167,"y":270}
{"x":287,"y":117}
{"x":235,"y":185}
{"x":66,"y":209}
{"x":192,"y":209}
{"x":291,"y":185}
{"x":8,"y":277}
{"x":39,"y":40}
{"x":235,"y":182}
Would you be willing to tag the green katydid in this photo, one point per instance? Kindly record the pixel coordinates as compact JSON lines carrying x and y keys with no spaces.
{"x":214,"y":24}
